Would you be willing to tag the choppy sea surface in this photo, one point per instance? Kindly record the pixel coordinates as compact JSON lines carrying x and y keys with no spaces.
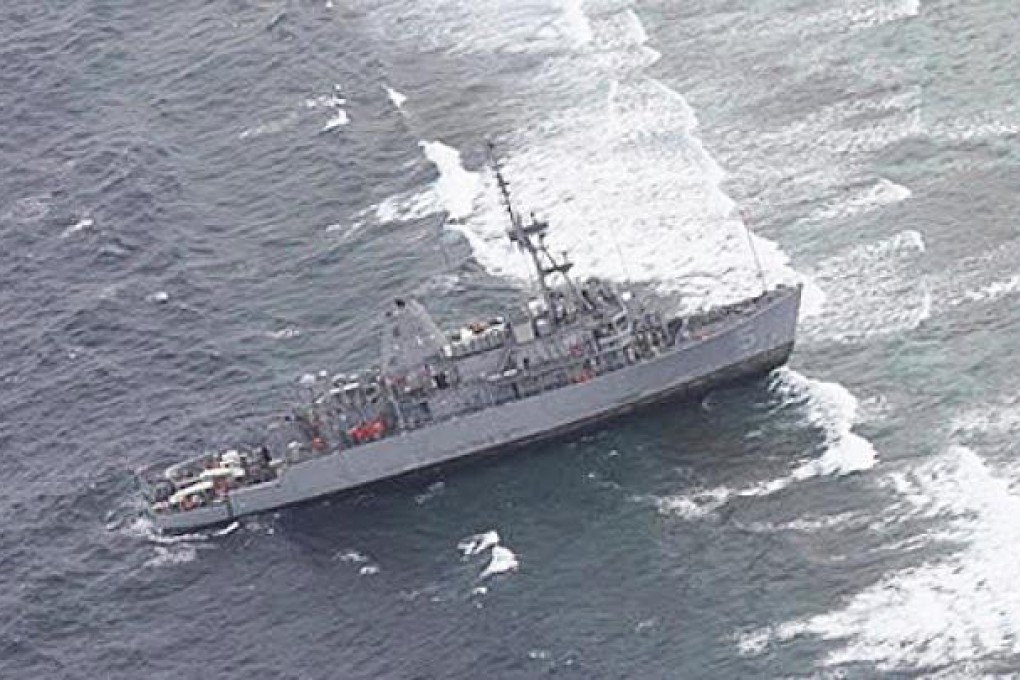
{"x":202,"y":201}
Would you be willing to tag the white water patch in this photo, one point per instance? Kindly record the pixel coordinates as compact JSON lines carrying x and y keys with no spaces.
{"x":807,"y":525}
{"x":988,"y":124}
{"x":338,"y":119}
{"x":350,"y":556}
{"x":396,"y":98}
{"x":227,"y":530}
{"x":874,"y":289}
{"x":861,"y":200}
{"x":327,"y":101}
{"x":404,"y":208}
{"x":981,"y":279}
{"x":457,"y":189}
{"x":647,"y":206}
{"x":1000,"y":419}
{"x":817,"y":151}
{"x":332,"y":104}
{"x":831,"y":408}
{"x":81,"y":225}
{"x":850,"y":15}
{"x":353,"y":557}
{"x":169,"y":556}
{"x":286,"y":333}
{"x":270,"y":127}
{"x":455,"y":192}
{"x":169,"y":550}
{"x":694,"y":505}
{"x":994,"y":290}
{"x":826,"y":405}
{"x":160,"y":297}
{"x":501,"y":558}
{"x":576,"y":23}
{"x":501,"y":561}
{"x":954,"y":610}
{"x":143,"y":528}
{"x":345,"y":232}
{"x":702,"y":503}
{"x":478,"y":543}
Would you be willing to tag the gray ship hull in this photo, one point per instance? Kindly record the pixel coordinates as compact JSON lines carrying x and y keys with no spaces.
{"x":752,"y":344}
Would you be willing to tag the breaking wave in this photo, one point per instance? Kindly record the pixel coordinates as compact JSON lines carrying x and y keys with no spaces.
{"x":826,"y":405}
{"x":831,"y":408}
{"x":874,"y":289}
{"x":501,"y":558}
{"x":954,"y":610}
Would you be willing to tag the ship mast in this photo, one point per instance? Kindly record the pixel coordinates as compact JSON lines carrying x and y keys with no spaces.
{"x":531,"y":237}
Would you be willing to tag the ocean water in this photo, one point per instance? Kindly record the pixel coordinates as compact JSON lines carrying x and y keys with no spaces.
{"x":202,"y":201}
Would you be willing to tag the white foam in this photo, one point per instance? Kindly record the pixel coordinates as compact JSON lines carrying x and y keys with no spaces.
{"x":79,"y":226}
{"x":805,"y":524}
{"x":271,"y":127}
{"x":350,"y":556}
{"x":369,"y":570}
{"x":947,"y":611}
{"x":396,"y":98}
{"x":692,"y":506}
{"x":502,"y":560}
{"x":170,"y":550}
{"x":227,"y":530}
{"x":327,"y":101}
{"x":872,"y":290}
{"x":168,"y":556}
{"x":338,"y":119}
{"x":816,"y":155}
{"x":994,"y":290}
{"x":1001,"y":419}
{"x":860,"y":200}
{"x":827,"y":406}
{"x":284,"y":333}
{"x":457,"y":189}
{"x":576,"y":22}
{"x":454,"y":192}
{"x":849,"y":15}
{"x":637,"y":212}
{"x":478,"y":543}
{"x":649,"y":190}
{"x":832,"y":408}
{"x":142,"y":527}
{"x":334,"y":103}
{"x":988,"y":123}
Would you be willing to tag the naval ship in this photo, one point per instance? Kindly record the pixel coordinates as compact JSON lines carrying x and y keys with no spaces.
{"x":573,"y":354}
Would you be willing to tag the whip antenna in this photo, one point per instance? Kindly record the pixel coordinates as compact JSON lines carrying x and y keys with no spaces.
{"x":754,"y":252}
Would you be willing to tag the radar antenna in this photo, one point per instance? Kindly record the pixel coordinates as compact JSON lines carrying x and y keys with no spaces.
{"x":530,"y":237}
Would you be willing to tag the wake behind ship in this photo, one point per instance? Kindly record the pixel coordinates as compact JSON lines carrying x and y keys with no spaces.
{"x":578,"y":353}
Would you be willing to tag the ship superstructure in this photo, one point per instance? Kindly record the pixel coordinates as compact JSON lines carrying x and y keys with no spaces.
{"x":576,"y":353}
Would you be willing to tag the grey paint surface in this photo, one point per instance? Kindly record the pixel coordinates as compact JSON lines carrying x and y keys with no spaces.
{"x":751,"y":344}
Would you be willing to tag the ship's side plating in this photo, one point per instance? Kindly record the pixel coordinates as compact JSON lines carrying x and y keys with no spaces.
{"x":750,"y":346}
{"x":579,"y":354}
